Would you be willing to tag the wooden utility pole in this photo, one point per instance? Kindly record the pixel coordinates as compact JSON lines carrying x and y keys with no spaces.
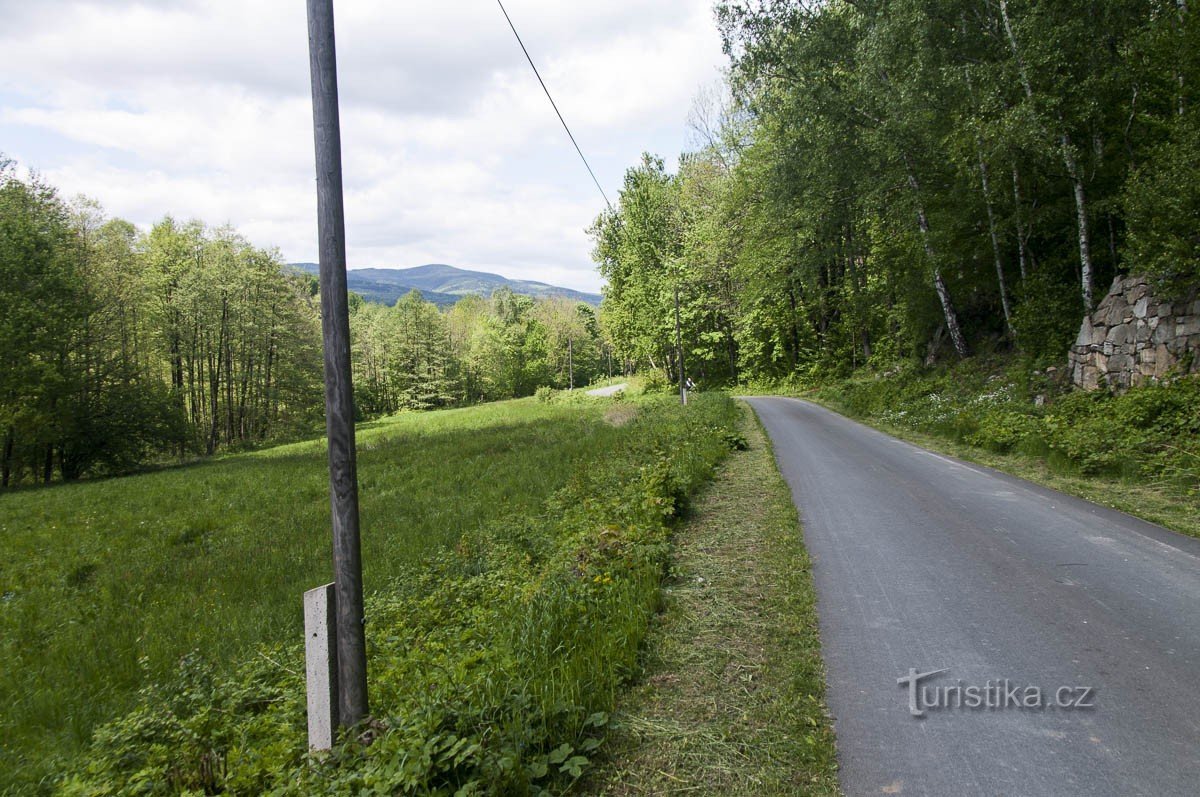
{"x":339,"y":392}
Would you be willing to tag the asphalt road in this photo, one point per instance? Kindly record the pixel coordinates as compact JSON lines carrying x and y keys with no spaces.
{"x":925,"y":562}
{"x":608,"y":391}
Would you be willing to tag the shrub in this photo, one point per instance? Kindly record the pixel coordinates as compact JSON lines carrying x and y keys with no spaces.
{"x":1001,"y":431}
{"x":655,"y":382}
{"x":1145,"y":433}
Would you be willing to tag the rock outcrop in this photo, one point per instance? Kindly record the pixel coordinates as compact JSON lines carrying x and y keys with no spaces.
{"x":1134,"y":337}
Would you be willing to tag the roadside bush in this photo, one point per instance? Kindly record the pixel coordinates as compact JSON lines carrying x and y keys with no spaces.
{"x":1148,"y":433}
{"x":1151,"y":431}
{"x":655,"y":382}
{"x":568,"y":397}
{"x":1000,"y":431}
{"x":545,"y":394}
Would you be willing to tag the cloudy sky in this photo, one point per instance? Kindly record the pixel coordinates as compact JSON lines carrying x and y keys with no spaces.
{"x":201,"y":109}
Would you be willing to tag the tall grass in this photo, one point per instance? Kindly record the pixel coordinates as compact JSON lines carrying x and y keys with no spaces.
{"x":107,"y":585}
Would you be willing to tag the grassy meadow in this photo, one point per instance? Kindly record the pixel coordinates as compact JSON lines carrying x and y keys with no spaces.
{"x":106,"y":585}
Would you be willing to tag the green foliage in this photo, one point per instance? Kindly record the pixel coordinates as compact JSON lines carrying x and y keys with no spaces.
{"x":1147,"y":434}
{"x":1001,"y":431}
{"x":402,"y":357}
{"x":736,"y":441}
{"x":499,"y":627}
{"x":122,"y":348}
{"x":1163,"y":202}
{"x":1046,"y":320}
{"x":236,"y":340}
{"x":655,"y":382}
{"x":510,"y":345}
{"x":905,"y":180}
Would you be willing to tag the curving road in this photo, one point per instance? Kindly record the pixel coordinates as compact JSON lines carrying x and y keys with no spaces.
{"x":610,"y":390}
{"x":925,"y":563}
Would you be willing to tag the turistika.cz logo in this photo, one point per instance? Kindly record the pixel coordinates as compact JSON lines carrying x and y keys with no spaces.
{"x":997,"y":694}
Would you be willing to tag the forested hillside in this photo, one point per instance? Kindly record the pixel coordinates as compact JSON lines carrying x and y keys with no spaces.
{"x":441,"y":284}
{"x":894,"y":179}
{"x":124,"y":347}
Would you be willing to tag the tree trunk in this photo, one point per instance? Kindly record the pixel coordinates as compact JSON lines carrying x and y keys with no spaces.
{"x":939,"y":284}
{"x":1022,"y":236}
{"x":679,"y":348}
{"x":991,"y":217}
{"x":1068,"y":156}
{"x":227,"y":347}
{"x":1183,"y":10}
{"x":1085,"y":245}
{"x":6,"y":463}
{"x":794,"y":330}
{"x":1012,"y":43}
{"x":731,"y":350}
{"x":214,"y":400}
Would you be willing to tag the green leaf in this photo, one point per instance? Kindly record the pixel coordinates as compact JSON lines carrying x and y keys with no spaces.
{"x":559,"y":754}
{"x":574,"y":766}
{"x":597,"y":720}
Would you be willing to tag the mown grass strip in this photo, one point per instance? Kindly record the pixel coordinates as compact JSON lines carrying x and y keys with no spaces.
{"x":730,"y":700}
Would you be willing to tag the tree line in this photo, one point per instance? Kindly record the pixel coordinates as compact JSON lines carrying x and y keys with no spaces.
{"x":123,"y":347}
{"x":890,"y":179}
{"x":414,"y":356}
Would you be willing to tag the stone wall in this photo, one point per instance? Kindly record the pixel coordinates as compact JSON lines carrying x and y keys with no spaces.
{"x":1133,"y":337}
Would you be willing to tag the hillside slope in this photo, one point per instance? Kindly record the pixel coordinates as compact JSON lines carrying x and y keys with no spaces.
{"x":441,"y":284}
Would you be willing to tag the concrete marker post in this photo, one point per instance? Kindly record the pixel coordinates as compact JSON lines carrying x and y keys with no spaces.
{"x":320,"y":665}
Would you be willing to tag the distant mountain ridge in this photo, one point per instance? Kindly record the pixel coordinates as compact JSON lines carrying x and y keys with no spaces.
{"x":442,"y":284}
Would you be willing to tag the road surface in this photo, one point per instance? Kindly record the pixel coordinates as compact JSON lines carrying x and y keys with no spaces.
{"x":923,"y":562}
{"x":608,"y":391}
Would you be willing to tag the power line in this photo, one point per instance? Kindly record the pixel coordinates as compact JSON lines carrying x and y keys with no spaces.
{"x":553,"y":104}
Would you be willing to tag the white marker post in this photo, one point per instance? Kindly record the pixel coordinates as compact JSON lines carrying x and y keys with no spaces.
{"x":320,"y":665}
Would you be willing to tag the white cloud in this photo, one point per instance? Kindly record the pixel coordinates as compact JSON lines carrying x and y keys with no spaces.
{"x":451,"y":152}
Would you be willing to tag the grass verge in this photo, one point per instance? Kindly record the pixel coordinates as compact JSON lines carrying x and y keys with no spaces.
{"x":730,"y":698}
{"x":1138,"y":451}
{"x":1165,"y":505}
